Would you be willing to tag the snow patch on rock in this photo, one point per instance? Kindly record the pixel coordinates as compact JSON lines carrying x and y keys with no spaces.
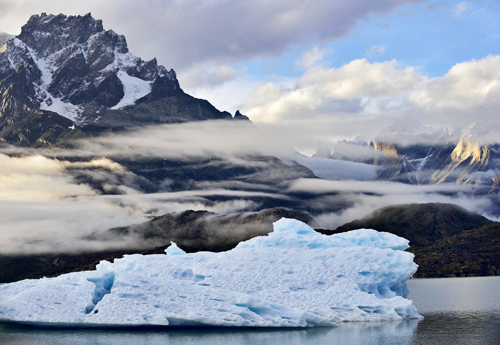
{"x":133,"y":88}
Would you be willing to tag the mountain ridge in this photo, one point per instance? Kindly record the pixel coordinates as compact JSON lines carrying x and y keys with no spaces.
{"x":447,"y":240}
{"x":69,"y":69}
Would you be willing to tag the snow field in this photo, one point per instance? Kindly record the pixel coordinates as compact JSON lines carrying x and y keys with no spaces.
{"x":133,"y":88}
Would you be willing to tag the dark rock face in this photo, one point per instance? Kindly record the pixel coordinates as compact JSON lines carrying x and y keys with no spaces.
{"x":240,"y":116}
{"x":447,"y":240}
{"x":71,"y":69}
{"x":191,"y":230}
{"x":25,"y":125}
{"x":80,"y":63}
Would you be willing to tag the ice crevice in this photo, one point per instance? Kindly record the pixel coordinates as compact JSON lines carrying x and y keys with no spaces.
{"x":293,"y":277}
{"x":103,"y":287}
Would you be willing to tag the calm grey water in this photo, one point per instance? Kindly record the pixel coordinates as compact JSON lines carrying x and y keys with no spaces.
{"x":456,"y":310}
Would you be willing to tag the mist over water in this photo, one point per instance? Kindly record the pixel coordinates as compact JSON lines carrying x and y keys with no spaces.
{"x":53,"y":199}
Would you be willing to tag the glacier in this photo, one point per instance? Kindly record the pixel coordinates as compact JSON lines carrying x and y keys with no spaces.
{"x":294,"y":277}
{"x":134,"y":88}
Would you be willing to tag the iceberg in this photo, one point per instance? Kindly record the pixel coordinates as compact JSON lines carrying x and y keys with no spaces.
{"x":294,"y":277}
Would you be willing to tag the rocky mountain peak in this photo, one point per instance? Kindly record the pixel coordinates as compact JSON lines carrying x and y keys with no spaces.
{"x":65,"y":77}
{"x":82,"y":68}
{"x":46,"y":34}
{"x":240,"y":116}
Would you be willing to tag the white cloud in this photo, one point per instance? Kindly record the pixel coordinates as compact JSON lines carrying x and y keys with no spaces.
{"x":333,"y":91}
{"x":184,"y":33}
{"x":376,"y":50}
{"x":229,"y":140}
{"x":209,"y":76}
{"x":466,"y":86}
{"x":359,"y":198}
{"x":44,"y":209}
{"x":311,"y":57}
{"x":363,"y":98}
{"x":36,"y":178}
{"x":460,"y":8}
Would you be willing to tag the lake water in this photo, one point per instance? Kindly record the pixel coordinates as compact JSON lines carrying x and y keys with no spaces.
{"x":456,"y":310}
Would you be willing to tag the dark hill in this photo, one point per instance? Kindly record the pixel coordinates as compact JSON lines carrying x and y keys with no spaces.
{"x":474,"y":252}
{"x":447,"y":240}
{"x":191,"y":230}
{"x":195,"y":231}
{"x":422,"y":224}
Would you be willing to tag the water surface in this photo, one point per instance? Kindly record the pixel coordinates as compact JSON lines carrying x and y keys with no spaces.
{"x":457,"y":311}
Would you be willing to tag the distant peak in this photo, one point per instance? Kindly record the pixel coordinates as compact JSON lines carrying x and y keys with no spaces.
{"x":240,"y":116}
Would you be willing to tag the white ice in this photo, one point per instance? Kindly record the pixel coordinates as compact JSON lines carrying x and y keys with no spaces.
{"x":294,"y":277}
{"x":133,"y":88}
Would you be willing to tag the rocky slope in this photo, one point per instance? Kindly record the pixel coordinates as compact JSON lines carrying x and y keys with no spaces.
{"x":66,"y":77}
{"x":191,"y":230}
{"x":447,"y":240}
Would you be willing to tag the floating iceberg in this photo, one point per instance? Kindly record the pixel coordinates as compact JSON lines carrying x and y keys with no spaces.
{"x":294,"y":277}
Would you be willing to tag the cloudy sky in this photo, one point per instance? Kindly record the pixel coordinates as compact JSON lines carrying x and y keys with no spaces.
{"x":313,"y":69}
{"x":301,"y":70}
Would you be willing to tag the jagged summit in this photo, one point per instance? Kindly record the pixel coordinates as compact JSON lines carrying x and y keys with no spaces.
{"x":47,"y":34}
{"x":72,"y":66}
{"x":82,"y":68}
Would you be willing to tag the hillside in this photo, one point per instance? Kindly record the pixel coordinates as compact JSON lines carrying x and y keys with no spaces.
{"x":192,"y":230}
{"x":447,"y":240}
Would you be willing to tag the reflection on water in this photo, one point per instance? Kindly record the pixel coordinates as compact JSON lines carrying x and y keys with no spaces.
{"x":455,"y":294}
{"x":457,"y":328}
{"x":349,"y":333}
{"x":457,"y":311}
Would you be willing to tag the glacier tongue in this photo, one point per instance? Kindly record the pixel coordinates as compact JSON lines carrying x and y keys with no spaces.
{"x":293,"y":277}
{"x":134,"y":88}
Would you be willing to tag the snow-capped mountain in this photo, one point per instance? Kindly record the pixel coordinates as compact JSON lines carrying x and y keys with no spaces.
{"x":462,"y":156}
{"x":474,"y":160}
{"x":71,"y":67}
{"x":412,"y":153}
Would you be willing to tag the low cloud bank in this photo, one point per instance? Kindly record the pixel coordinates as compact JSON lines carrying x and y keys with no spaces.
{"x":46,"y":205}
{"x":45,"y":209}
{"x":339,"y":202}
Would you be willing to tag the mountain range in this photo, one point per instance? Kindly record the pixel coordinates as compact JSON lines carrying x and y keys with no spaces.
{"x":447,"y":240}
{"x":65,"y":79}
{"x":411,"y":153}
